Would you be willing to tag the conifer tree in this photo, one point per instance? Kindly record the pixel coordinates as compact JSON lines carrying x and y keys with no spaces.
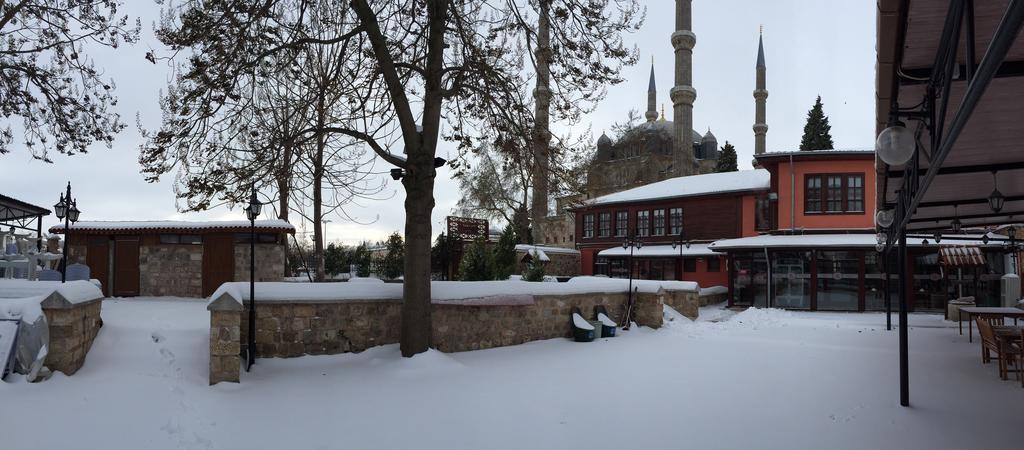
{"x":817,"y":131}
{"x":477,"y":262}
{"x":727,"y":159}
{"x":505,"y":253}
{"x":534,"y":269}
{"x":391,"y":266}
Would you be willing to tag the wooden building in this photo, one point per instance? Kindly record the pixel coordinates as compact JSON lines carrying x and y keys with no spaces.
{"x":175,"y":258}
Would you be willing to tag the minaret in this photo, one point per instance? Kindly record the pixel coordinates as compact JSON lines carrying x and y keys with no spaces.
{"x":652,"y":97}
{"x":760,"y":96}
{"x":683,"y":94}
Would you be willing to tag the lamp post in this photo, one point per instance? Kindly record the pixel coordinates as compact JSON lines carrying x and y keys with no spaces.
{"x":631,"y":242}
{"x":681,"y":243}
{"x":67,"y":210}
{"x":252,"y":212}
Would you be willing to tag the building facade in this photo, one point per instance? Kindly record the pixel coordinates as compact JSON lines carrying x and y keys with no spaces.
{"x":175,"y":258}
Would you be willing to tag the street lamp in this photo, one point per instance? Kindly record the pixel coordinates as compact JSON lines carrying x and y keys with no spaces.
{"x":66,"y":210}
{"x":996,"y":198}
{"x":895,"y":144}
{"x":252,"y":212}
{"x":681,"y":243}
{"x":631,"y":242}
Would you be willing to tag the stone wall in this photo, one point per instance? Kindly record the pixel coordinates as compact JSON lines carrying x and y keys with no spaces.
{"x":171,"y":270}
{"x":72,"y":327}
{"x":288,"y":329}
{"x":560,"y":264}
{"x":713,"y":299}
{"x":269,"y":262}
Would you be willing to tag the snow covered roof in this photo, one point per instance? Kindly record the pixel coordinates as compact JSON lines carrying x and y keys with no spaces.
{"x":691,"y":186}
{"x":838,"y":241}
{"x":172,"y":226}
{"x":660,"y":250}
{"x":838,"y":153}
{"x":546,"y":249}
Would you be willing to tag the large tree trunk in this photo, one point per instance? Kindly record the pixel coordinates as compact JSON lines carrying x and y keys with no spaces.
{"x":419,"y":204}
{"x":541,"y":138}
{"x":318,"y":179}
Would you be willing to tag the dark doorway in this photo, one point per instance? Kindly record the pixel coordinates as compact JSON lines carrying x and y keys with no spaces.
{"x":126,"y":266}
{"x":218,"y":261}
{"x":97,"y":257}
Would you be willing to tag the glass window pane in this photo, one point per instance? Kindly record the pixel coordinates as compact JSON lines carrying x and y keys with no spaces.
{"x":834,"y":194}
{"x":750,"y":278}
{"x":812,"y":195}
{"x":838,"y":280}
{"x":605,"y":224}
{"x":643,"y":223}
{"x":791,"y":279}
{"x":659,"y":222}
{"x":621,"y":223}
{"x":676,"y":221}
{"x":588,"y":226}
{"x":169,"y":239}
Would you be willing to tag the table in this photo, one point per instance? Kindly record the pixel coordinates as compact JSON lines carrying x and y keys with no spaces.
{"x":1015,"y":313}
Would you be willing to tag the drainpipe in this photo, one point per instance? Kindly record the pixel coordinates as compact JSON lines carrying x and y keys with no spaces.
{"x":792,"y":195}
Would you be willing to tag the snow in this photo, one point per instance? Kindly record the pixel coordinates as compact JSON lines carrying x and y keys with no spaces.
{"x":714,"y":290}
{"x":74,"y":291}
{"x":526,"y":248}
{"x":495,"y":292}
{"x":580,"y":322}
{"x":605,"y":320}
{"x":694,"y":185}
{"x":182,"y":225}
{"x":835,"y":240}
{"x":762,"y":379}
{"x":659,"y":250}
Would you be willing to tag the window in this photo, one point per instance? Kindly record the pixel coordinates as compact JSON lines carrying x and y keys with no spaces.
{"x":812,"y":199}
{"x":604,"y":223}
{"x":689,"y":265}
{"x":854,"y":193}
{"x":261,"y":238}
{"x":834,"y":194}
{"x":714,"y":264}
{"x":621,"y":223}
{"x":659,"y":222}
{"x":643,"y":223}
{"x":187,"y":239}
{"x":675,"y":221}
{"x":588,"y":226}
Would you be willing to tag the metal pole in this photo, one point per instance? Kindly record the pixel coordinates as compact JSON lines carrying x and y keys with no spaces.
{"x":629,"y":294}
{"x":904,"y":286}
{"x":67,"y":237}
{"x":887,"y":294}
{"x":252,"y":294}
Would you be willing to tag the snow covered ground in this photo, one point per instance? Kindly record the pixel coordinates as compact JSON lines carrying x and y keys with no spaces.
{"x":761,"y":379}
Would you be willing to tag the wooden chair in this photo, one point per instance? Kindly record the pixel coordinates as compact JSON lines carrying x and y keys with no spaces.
{"x":1015,"y":350}
{"x":990,"y":345}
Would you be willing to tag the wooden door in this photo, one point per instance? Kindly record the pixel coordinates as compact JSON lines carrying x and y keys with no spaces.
{"x":97,"y":257}
{"x":218,"y":261}
{"x":126,"y":266}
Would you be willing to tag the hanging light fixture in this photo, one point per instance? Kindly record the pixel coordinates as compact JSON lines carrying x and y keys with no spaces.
{"x":955,"y":224}
{"x":895,"y":144}
{"x":884,"y":218}
{"x":937,"y":237}
{"x":996,"y":198}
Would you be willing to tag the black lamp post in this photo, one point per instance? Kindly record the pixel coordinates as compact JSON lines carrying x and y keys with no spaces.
{"x":252,"y":212}
{"x":681,"y":243}
{"x":66,"y":210}
{"x":631,"y":242}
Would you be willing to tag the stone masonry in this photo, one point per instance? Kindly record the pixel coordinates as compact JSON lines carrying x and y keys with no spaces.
{"x":289,"y":329}
{"x":269,"y":262}
{"x":171,"y":270}
{"x":72,"y":328}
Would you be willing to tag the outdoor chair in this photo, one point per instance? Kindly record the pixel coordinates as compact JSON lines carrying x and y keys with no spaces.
{"x":991,"y":344}
{"x":1017,"y":347}
{"x":48,"y":275}
{"x":77,"y":272}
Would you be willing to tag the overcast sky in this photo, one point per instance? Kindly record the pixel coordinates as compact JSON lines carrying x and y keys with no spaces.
{"x":812,"y":48}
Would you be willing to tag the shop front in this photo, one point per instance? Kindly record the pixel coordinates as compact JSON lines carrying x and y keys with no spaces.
{"x":846,"y":273}
{"x":665,"y":262}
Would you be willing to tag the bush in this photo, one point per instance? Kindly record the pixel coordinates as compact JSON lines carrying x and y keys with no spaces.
{"x":505,"y":254}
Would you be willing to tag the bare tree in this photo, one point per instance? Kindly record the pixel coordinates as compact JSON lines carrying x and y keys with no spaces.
{"x":49,"y":81}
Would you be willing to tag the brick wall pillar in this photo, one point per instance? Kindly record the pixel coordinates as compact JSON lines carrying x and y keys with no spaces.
{"x":72,"y":328}
{"x":225,"y":339}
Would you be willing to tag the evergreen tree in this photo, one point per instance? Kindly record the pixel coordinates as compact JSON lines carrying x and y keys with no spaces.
{"x":477,"y":262}
{"x":534,"y":269}
{"x":817,"y":131}
{"x":337,"y":259}
{"x":727,"y":159}
{"x":505,"y":253}
{"x":437,"y":257}
{"x":391,"y":265}
{"x":361,"y":258}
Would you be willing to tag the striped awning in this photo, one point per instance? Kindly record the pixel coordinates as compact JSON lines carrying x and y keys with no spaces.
{"x":961,"y":256}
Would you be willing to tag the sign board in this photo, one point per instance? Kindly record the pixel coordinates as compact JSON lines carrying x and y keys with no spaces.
{"x":466,"y":229}
{"x":8,"y":338}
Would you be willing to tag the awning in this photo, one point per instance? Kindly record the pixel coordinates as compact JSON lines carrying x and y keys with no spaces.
{"x":648,"y":251}
{"x":867,"y":241}
{"x":961,"y":256}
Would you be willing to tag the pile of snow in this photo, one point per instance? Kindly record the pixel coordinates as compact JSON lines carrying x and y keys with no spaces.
{"x":605,"y":320}
{"x":74,"y":291}
{"x":580,"y":322}
{"x":26,"y":309}
{"x":441,"y":291}
{"x":714,"y":290}
{"x":693,"y":185}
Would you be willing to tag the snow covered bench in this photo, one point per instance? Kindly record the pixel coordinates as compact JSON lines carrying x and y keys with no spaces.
{"x":72,"y":313}
{"x":294,"y":319}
